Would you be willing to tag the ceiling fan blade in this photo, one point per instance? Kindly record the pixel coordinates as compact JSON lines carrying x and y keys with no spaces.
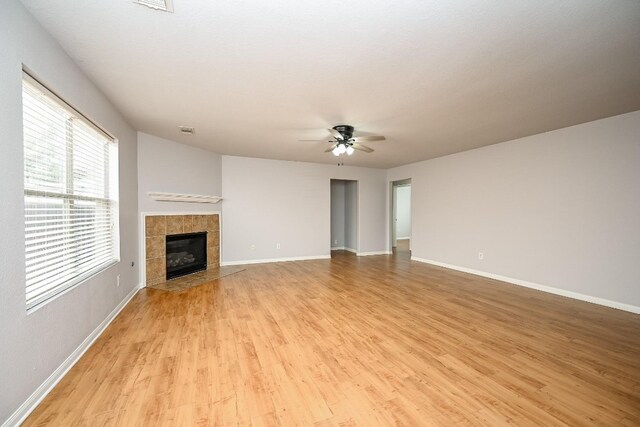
{"x":368,"y":138}
{"x":361,"y":147}
{"x":318,"y":140}
{"x":330,"y":149}
{"x":336,"y":134}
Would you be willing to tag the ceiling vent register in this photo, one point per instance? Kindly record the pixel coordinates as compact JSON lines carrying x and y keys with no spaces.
{"x":187,"y":130}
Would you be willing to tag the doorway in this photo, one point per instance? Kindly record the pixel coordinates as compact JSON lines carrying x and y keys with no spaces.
{"x":401,"y":216}
{"x":344,"y":215}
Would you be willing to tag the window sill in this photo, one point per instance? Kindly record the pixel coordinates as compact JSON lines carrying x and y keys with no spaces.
{"x":80,"y":281}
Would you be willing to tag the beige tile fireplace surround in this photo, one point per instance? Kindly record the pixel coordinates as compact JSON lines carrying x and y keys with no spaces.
{"x":158,"y":227}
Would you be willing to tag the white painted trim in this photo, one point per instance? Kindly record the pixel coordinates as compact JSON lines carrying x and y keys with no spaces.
{"x":268,"y":260}
{"x":403,"y":238}
{"x":41,"y":392}
{"x":374,"y":253}
{"x":358,"y":217}
{"x":344,"y":248}
{"x":358,"y":210}
{"x":543,"y":288}
{"x":183,"y":198}
{"x":180,"y":213}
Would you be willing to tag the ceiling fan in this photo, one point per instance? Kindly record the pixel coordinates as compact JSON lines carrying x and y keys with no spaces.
{"x":344,"y":142}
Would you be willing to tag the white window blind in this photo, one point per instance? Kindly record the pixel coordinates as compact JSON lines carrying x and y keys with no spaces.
{"x":70,"y":195}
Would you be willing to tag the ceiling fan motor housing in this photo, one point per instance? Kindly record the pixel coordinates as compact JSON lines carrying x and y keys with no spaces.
{"x":345,"y":130}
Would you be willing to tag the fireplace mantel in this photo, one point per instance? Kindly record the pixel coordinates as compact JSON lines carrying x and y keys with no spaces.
{"x":184,"y":198}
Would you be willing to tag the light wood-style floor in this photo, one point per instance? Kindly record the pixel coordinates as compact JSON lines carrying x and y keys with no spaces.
{"x":368,"y":341}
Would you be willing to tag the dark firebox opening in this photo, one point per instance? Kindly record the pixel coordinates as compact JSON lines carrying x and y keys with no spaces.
{"x":186,"y":253}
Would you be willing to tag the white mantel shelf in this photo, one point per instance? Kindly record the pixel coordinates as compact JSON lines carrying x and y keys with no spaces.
{"x":184,"y":198}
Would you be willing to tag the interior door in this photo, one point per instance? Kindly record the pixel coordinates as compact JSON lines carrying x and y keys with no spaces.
{"x":394,"y":223}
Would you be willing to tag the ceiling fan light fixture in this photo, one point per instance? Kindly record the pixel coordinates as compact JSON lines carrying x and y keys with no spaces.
{"x":343,"y":141}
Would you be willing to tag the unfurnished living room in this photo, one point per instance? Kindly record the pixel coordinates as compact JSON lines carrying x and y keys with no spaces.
{"x":320,"y":213}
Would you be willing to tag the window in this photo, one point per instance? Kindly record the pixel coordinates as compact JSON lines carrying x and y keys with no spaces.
{"x":70,"y":195}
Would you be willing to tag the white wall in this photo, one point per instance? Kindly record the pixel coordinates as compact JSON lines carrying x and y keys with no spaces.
{"x":337,"y":213}
{"x":559,"y":209}
{"x":403,"y":212}
{"x":168,"y":166}
{"x":32,"y":346}
{"x":272,"y":201}
{"x":351,"y":215}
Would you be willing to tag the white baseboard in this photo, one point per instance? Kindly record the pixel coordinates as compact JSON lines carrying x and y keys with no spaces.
{"x":374,"y":253}
{"x":344,"y":248}
{"x":268,"y":260}
{"x":543,"y":288}
{"x":41,"y":392}
{"x":403,"y":238}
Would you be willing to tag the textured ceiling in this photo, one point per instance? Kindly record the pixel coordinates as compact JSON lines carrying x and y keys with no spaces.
{"x":435,"y":77}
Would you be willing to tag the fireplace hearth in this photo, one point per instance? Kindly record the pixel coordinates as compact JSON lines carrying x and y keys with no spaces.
{"x":185,"y":254}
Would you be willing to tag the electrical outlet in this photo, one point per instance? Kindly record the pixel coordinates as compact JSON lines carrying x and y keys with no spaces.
{"x":335,"y":242}
{"x":253,"y":247}
{"x":480,"y":255}
{"x":118,"y":281}
{"x":277,"y":245}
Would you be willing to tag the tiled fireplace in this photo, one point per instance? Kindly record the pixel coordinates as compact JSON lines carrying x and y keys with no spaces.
{"x":158,"y":227}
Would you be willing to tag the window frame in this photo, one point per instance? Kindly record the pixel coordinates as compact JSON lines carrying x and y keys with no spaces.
{"x":67,"y":197}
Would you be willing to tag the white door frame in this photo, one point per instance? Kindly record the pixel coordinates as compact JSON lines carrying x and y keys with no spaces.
{"x":356,"y":250}
{"x":393,"y":186}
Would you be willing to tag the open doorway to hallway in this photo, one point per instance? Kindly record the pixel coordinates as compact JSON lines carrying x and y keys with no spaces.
{"x":344,"y":215}
{"x":401,"y":217}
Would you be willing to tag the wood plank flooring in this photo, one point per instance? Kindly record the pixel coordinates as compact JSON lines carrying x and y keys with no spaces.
{"x":355,"y":341}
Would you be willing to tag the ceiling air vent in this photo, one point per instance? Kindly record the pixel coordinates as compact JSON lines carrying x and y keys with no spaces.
{"x":165,"y":5}
{"x":186,"y":130}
